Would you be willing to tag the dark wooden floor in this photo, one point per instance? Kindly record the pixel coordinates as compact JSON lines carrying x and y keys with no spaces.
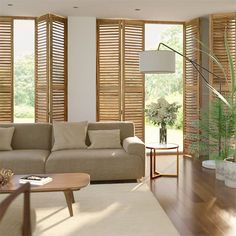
{"x":196,"y":202}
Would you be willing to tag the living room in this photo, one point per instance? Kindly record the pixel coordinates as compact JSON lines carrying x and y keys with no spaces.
{"x":87,"y":70}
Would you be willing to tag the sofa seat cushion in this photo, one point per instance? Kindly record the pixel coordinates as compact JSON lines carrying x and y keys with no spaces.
{"x":24,"y":161}
{"x":102,"y":164}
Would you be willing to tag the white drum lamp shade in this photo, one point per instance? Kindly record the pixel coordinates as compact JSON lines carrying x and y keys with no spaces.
{"x":157,"y":62}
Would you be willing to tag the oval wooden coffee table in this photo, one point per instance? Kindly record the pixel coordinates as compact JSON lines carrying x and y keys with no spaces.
{"x":65,"y":182}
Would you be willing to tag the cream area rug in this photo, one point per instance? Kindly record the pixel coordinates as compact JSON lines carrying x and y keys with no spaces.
{"x":103,"y":210}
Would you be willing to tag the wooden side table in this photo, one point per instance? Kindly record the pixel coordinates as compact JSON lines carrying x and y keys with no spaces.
{"x":153,"y":147}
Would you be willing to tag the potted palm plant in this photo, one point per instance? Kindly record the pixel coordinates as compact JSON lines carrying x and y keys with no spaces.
{"x":224,"y":123}
{"x":215,"y":131}
{"x":230,"y":160}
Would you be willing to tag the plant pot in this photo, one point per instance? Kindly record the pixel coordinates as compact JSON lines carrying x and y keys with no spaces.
{"x":220,"y":169}
{"x":230,"y":172}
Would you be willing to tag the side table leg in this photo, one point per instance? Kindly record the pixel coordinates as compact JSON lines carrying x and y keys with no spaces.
{"x":154,"y":165}
{"x":177,"y":161}
{"x":151,"y":164}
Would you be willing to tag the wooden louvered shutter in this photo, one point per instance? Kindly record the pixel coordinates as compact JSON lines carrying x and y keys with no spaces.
{"x":6,"y":69}
{"x":120,"y":85}
{"x":108,"y":70}
{"x":51,"y":69}
{"x":42,"y":69}
{"x":133,"y":80}
{"x":191,"y":81}
{"x":219,"y":24}
{"x":58,"y":68}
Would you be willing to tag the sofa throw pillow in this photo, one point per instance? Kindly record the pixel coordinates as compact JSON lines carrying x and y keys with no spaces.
{"x":69,"y":135}
{"x":6,"y":135}
{"x":104,"y":139}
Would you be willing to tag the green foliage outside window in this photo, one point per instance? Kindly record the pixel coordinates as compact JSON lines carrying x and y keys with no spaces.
{"x":24,"y":87}
{"x":169,"y":86}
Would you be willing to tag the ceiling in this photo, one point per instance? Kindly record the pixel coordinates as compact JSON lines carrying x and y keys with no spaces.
{"x":162,"y":10}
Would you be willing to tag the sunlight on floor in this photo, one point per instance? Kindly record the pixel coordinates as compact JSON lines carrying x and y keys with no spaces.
{"x":230,"y":218}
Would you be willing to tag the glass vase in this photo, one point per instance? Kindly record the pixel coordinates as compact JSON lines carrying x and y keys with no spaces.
{"x":163,"y":134}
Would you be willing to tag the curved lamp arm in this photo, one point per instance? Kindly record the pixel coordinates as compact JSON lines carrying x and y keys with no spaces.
{"x":188,"y":59}
{"x":196,"y":66}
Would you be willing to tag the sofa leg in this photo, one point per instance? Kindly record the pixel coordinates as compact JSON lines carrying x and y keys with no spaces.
{"x":140,"y":180}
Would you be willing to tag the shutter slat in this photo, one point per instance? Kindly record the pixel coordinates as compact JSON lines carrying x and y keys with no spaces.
{"x":220,"y":23}
{"x":51,"y":69}
{"x":6,"y":70}
{"x":108,"y":66}
{"x":58,"y":69}
{"x":42,"y":70}
{"x":133,"y":80}
{"x":120,"y":93}
{"x":191,"y":82}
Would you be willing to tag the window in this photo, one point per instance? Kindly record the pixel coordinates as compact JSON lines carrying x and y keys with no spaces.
{"x":167,"y":86}
{"x":21,"y":95}
{"x":24,"y":70}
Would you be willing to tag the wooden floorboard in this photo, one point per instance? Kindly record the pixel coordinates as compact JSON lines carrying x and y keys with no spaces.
{"x":196,"y":202}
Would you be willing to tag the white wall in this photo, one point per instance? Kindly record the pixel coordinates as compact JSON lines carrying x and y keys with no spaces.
{"x":81,"y":68}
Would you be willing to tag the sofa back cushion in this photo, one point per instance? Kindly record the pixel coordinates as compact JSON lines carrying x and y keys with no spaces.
{"x":31,"y":136}
{"x":6,"y":135}
{"x":126,"y":128}
{"x":39,"y":136}
{"x":104,"y":139}
{"x":69,"y":135}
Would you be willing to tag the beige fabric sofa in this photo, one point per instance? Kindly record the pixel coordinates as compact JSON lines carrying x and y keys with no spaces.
{"x":32,"y":144}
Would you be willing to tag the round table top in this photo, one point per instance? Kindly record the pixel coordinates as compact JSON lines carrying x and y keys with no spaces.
{"x":162,"y":146}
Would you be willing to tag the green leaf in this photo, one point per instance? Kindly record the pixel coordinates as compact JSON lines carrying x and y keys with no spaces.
{"x":215,"y":59}
{"x":219,"y":95}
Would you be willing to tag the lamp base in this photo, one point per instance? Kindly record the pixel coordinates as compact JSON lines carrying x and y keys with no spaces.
{"x":209,"y":164}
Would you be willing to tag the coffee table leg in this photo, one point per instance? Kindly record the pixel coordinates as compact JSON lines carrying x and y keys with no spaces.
{"x":69,"y":200}
{"x":72,"y":197}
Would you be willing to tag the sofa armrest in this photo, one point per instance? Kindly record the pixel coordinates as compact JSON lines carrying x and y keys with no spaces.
{"x":134,"y":145}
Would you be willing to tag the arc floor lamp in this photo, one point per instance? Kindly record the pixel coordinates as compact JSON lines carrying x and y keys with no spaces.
{"x":163,"y":62}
